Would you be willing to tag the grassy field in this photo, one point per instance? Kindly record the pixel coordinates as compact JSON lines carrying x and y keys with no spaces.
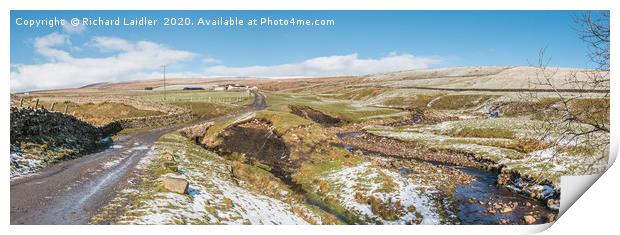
{"x":348,"y":184}
{"x":100,"y":113}
{"x":348,"y":111}
{"x":223,"y":97}
{"x":512,"y":142}
{"x":203,"y":110}
{"x":203,"y":104}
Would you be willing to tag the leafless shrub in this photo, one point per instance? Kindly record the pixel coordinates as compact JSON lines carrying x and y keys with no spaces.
{"x":581,"y":114}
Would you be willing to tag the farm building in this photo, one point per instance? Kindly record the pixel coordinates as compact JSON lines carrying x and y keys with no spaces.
{"x":230,"y":87}
{"x":193,"y":88}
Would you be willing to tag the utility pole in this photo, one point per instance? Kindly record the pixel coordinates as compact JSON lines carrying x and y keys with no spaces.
{"x":164,"y":66}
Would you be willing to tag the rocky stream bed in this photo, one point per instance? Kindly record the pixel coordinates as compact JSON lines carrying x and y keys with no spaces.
{"x":476,"y":196}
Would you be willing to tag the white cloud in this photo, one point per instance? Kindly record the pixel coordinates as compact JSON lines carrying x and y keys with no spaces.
{"x":134,"y":61}
{"x":71,"y":29}
{"x":210,"y":60}
{"x":330,"y":66}
{"x":111,"y":44}
{"x":45,"y":47}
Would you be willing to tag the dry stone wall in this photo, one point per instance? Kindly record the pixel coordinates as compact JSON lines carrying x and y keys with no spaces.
{"x":152,"y":121}
{"x":174,"y":115}
{"x":53,"y":129}
{"x":136,"y":103}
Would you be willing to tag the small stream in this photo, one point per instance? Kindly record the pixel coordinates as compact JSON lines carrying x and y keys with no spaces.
{"x":484,"y":189}
{"x":473,"y":200}
{"x":297,"y":188}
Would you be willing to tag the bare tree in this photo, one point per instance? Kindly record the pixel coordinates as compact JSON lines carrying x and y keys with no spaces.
{"x":579,"y":113}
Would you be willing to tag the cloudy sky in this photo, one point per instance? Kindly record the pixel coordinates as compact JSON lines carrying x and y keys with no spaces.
{"x":360,"y":42}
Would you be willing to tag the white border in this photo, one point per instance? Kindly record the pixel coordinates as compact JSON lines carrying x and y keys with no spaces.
{"x":309,"y":5}
{"x":589,"y":209}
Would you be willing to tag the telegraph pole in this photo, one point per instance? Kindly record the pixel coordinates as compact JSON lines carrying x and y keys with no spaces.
{"x":164,"y":66}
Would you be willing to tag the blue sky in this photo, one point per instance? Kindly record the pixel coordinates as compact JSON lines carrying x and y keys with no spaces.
{"x":360,"y":42}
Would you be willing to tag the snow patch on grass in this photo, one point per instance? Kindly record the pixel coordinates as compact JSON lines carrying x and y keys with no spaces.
{"x":27,"y":164}
{"x":548,"y":164}
{"x":148,"y":159}
{"x":214,"y":196}
{"x":365,"y":179}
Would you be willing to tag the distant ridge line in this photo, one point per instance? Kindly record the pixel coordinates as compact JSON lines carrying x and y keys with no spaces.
{"x":493,"y":89}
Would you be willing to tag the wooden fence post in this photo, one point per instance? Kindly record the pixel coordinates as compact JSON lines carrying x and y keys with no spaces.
{"x":21,"y":102}
{"x":53,"y":104}
{"x":66,"y":108}
{"x":36,"y":105}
